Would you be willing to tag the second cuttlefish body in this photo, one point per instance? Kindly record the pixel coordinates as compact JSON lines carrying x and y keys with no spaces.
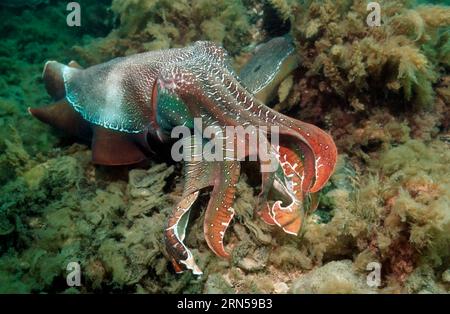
{"x":122,"y":104}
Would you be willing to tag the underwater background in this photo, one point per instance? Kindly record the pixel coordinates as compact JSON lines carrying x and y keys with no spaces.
{"x":382,"y":92}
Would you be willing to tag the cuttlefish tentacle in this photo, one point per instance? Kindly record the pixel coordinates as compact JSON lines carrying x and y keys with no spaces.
{"x":318,"y":148}
{"x":313,"y":172}
{"x":218,"y":215}
{"x":310,"y":166}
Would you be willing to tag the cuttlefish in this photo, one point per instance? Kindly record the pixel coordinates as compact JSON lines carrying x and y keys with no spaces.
{"x":123,"y":105}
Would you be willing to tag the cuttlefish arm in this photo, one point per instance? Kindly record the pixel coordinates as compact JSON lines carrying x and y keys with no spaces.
{"x":219,"y":95}
{"x":220,"y":212}
{"x":261,"y":75}
{"x":199,"y":174}
{"x":271,"y":63}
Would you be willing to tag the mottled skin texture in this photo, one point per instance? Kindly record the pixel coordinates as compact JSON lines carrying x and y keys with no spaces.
{"x":124,"y":103}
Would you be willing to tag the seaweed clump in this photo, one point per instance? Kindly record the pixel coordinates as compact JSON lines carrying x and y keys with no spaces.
{"x":351,"y":72}
{"x":160,"y":24}
{"x":64,"y":210}
{"x":402,"y":58}
{"x":396,"y":214}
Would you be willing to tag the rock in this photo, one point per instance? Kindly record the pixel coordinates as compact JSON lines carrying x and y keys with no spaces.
{"x":423,"y":280}
{"x":280,"y":287}
{"x":446,"y":276}
{"x":334,"y":277}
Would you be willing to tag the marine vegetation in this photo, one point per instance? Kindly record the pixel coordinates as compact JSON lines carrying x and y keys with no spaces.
{"x":381,"y":92}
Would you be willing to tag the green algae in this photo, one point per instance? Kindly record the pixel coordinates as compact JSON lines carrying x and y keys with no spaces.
{"x":399,"y":56}
{"x":161,"y":24}
{"x":388,"y":201}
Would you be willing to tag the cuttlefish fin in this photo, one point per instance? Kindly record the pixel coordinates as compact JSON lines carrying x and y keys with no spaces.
{"x":53,"y":76}
{"x":112,"y":148}
{"x":74,"y":64}
{"x":62,"y":116}
{"x":109,"y":147}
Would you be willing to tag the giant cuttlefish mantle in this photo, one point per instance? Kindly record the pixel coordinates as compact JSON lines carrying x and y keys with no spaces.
{"x":123,"y":104}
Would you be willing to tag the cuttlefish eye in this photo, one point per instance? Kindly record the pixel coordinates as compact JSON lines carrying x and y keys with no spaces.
{"x":168,"y":109}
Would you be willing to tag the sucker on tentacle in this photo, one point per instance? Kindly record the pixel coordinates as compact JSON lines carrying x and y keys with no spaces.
{"x":123,"y":104}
